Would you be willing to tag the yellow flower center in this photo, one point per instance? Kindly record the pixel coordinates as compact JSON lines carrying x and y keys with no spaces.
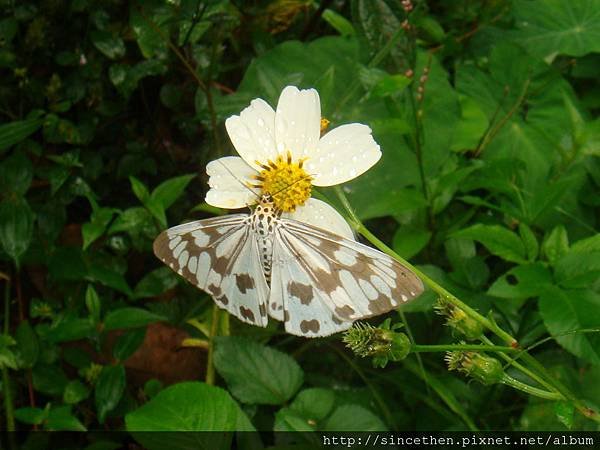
{"x":286,"y":181}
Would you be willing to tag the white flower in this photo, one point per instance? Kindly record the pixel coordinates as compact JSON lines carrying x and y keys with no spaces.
{"x":282,"y":153}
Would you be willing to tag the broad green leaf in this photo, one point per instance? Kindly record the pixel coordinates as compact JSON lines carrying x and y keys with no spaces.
{"x":27,"y":344}
{"x":61,"y":418}
{"x":131,"y":220}
{"x":376,"y":21}
{"x":353,"y":418}
{"x":112,"y":46}
{"x":130,"y":318}
{"x":306,"y":411}
{"x":391,"y":85}
{"x":109,"y":389}
{"x":256,"y":373}
{"x":128,"y":343}
{"x":471,"y":127}
{"x":170,"y":190}
{"x":139,"y":189}
{"x":186,"y":408}
{"x":16,"y":227}
{"x":565,"y":313}
{"x":109,"y":277}
{"x":49,"y":379}
{"x":408,"y":241}
{"x":521,"y":282}
{"x":75,"y":392}
{"x":550,"y":27}
{"x":16,"y":173}
{"x":556,"y":244}
{"x":155,"y":283}
{"x":498,"y":240}
{"x":578,"y":269}
{"x":14,"y":132}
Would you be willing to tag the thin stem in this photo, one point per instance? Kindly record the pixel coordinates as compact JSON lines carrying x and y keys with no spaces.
{"x":416,"y":348}
{"x":214,"y":327}
{"x":519,"y":366}
{"x":6,"y":385}
{"x":510,"y":381}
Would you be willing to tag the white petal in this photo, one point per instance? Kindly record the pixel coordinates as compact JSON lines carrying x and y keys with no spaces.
{"x":322,"y":215}
{"x":252,"y":133}
{"x":343,"y":154}
{"x":226,"y":180}
{"x":298,"y":121}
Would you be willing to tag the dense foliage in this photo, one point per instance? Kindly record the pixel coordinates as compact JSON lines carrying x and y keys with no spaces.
{"x":489,"y":184}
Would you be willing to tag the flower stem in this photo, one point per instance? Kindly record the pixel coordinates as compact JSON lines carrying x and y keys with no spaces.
{"x":416,"y":348}
{"x":510,"y":381}
{"x":214,"y":327}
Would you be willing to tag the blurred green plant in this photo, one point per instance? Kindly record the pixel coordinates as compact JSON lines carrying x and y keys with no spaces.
{"x":486,"y":113}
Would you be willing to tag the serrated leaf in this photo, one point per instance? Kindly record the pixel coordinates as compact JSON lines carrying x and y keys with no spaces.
{"x":95,"y":228}
{"x":530,"y":242}
{"x":75,"y":392}
{"x":520,"y":282}
{"x":109,"y":389}
{"x":32,"y":416}
{"x":130,"y":318}
{"x":497,"y":239}
{"x":60,"y":418}
{"x":16,"y":173}
{"x":185,"y":408}
{"x":567,"y":311}
{"x":353,"y":418}
{"x":556,"y":244}
{"x":256,"y":373}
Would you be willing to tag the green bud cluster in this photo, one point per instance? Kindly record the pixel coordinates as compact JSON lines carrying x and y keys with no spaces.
{"x":382,"y":343}
{"x":458,"y":320}
{"x":479,"y":366}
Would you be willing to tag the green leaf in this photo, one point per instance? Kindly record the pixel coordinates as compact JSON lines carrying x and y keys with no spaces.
{"x":93,"y":303}
{"x":306,"y":411}
{"x":391,"y":85}
{"x":16,"y":227}
{"x":497,"y":239}
{"x":409,"y":241}
{"x":353,"y":418}
{"x":155,"y":283}
{"x":530,"y":242}
{"x":110,"y":45}
{"x":75,"y":392}
{"x":188,"y":407}
{"x":342,"y":25}
{"x":16,"y":173}
{"x":256,"y":373}
{"x":578,"y":270}
{"x":60,"y":418}
{"x":565,"y":412}
{"x":49,"y":379}
{"x":565,"y":312}
{"x":109,"y":389}
{"x":170,"y":190}
{"x":70,"y":329}
{"x":548,"y":27}
{"x":109,"y":277}
{"x":139,"y":189}
{"x":130,"y":318}
{"x":14,"y":132}
{"x":150,"y":41}
{"x":521,"y":282}
{"x":32,"y":416}
{"x":95,"y":228}
{"x":128,"y":343}
{"x":27,"y":345}
{"x":556,"y":244}
{"x":471,"y":127}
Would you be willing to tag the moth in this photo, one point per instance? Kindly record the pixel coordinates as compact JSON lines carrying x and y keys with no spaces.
{"x":262,"y":265}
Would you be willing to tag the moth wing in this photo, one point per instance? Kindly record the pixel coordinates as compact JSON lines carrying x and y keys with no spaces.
{"x":219,"y":256}
{"x":352,"y":280}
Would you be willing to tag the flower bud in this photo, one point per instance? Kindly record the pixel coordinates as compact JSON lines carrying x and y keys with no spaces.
{"x":458,"y":320}
{"x":382,"y":343}
{"x":483,"y":368}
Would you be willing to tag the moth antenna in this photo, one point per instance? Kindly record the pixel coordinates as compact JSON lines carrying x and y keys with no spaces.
{"x":238,"y":180}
